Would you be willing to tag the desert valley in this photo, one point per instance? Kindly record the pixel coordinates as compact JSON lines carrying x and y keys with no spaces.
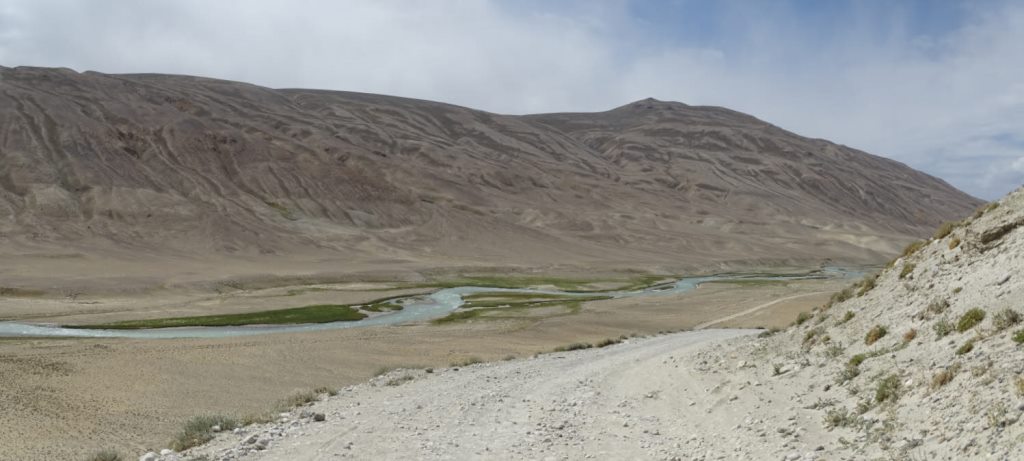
{"x":202,"y":269}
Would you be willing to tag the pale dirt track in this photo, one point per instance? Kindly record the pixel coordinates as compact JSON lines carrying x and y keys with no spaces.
{"x":627,"y":401}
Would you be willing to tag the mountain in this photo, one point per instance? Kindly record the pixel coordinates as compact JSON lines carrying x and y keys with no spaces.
{"x":198,"y":168}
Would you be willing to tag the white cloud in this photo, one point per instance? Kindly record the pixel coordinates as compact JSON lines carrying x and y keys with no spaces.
{"x":950,"y":105}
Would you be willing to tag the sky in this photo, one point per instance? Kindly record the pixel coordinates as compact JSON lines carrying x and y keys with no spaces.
{"x":935,"y":84}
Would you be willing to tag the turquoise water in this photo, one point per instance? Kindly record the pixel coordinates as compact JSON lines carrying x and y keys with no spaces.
{"x":416,"y":309}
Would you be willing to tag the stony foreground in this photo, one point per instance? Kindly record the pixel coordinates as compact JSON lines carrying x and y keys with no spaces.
{"x":650,"y":398}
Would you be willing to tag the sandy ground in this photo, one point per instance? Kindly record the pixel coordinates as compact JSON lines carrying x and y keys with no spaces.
{"x":134,"y":395}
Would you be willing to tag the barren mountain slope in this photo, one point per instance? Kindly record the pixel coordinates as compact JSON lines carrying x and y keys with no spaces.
{"x":199,"y":167}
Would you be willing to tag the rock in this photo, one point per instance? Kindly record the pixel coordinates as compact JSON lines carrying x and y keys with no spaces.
{"x":150,"y":456}
{"x":319,"y":417}
{"x":166,"y":452}
{"x":251,"y":439}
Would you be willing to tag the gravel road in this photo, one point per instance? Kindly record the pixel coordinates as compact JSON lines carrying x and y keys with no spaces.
{"x":627,"y":401}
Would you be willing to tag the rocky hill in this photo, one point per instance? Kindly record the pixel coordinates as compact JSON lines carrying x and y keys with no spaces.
{"x":926,"y":361}
{"x":178,"y":165}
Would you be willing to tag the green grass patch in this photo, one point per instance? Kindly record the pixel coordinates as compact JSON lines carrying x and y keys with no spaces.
{"x":888,"y":389}
{"x":320,"y":313}
{"x":579,"y":285}
{"x":970,"y":319}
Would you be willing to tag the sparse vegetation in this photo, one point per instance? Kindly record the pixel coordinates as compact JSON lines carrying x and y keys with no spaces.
{"x":945,"y":376}
{"x":105,"y":455}
{"x":912,"y":248}
{"x":812,"y":335}
{"x":970,"y":319}
{"x":802,"y":317}
{"x":326,"y":390}
{"x":957,"y":290}
{"x":298,"y":399}
{"x":1005,"y":318}
{"x":848,"y":372}
{"x":573,"y":347}
{"x":466,"y":362}
{"x":954,"y":242}
{"x":909,"y":335}
{"x":768,"y":332}
{"x":984,"y":209}
{"x":1018,"y":385}
{"x":199,"y":430}
{"x":840,"y":417}
{"x":966,"y":347}
{"x":858,"y":359}
{"x":840,"y":296}
{"x":834,"y":350}
{"x":945,"y":229}
{"x":1018,"y":337}
{"x":908,"y":269}
{"x":874,"y":334}
{"x":849,"y":315}
{"x":943,"y":327}
{"x":607,"y":342}
{"x":938,"y":306}
{"x":888,"y":389}
{"x":867,"y":284}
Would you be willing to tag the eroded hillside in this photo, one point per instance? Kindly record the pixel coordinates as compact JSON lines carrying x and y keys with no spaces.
{"x":198,"y":167}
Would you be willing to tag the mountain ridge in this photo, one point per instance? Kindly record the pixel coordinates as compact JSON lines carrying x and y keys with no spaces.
{"x":194,"y":166}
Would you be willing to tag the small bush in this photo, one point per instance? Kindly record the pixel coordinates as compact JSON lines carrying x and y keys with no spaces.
{"x":942,"y":328}
{"x":326,"y":390}
{"x":985,"y":209}
{"x":888,"y":389}
{"x":812,"y":335}
{"x":945,"y":229}
{"x":846,"y":318}
{"x":848,"y":372}
{"x":1005,"y":318}
{"x":944,"y":377}
{"x":966,"y":348}
{"x":858,"y":359}
{"x":909,"y":335}
{"x":834,"y":350}
{"x":908,"y":268}
{"x":938,"y":306}
{"x":957,"y":290}
{"x":199,"y":430}
{"x":839,"y":417}
{"x":970,"y":319}
{"x":1019,"y":384}
{"x":802,"y":317}
{"x":768,"y":332}
{"x":105,"y":455}
{"x":298,"y":399}
{"x":875,"y":334}
{"x":954,"y":242}
{"x":607,"y":342}
{"x":867,"y":284}
{"x":1018,"y":337}
{"x":912,"y":248}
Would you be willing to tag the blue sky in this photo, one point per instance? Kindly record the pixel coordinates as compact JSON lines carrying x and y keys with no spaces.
{"x":935,"y":84}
